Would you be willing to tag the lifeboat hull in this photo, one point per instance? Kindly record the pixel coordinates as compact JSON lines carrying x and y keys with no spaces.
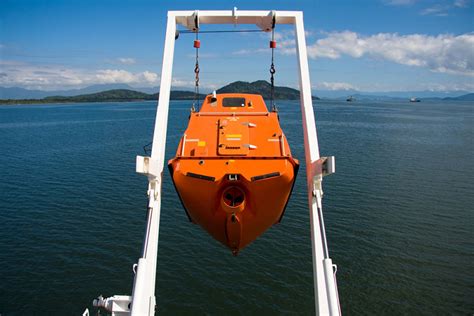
{"x":234,"y":224}
{"x":234,"y":173}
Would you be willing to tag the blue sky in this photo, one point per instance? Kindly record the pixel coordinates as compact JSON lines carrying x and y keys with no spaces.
{"x":377,"y":45}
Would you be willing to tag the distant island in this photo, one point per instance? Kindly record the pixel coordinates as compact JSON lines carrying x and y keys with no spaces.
{"x":466,"y":97}
{"x":116,"y":95}
{"x":125,"y":93}
{"x":261,"y":87}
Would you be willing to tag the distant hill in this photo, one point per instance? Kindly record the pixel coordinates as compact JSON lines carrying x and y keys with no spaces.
{"x":180,"y":95}
{"x":110,"y":95}
{"x":465,"y":97}
{"x":359,"y":96}
{"x":375,"y":97}
{"x":257,"y":87}
{"x":387,"y":95}
{"x":261,"y":87}
{"x":116,"y":95}
{"x":21,"y":93}
{"x":122,"y":95}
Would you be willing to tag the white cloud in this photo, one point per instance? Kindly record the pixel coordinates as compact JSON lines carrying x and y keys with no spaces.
{"x":285,"y":44}
{"x":49,"y":77}
{"x":150,"y":77}
{"x":175,"y":82}
{"x":442,"y":9}
{"x":334,"y":86}
{"x":123,"y":76}
{"x":249,"y":51}
{"x":437,"y":10}
{"x":400,"y":2}
{"x":53,"y":77}
{"x":444,"y":53}
{"x":126,"y":60}
{"x":461,"y":3}
{"x":445,"y":87}
{"x":6,"y":63}
{"x":189,"y":85}
{"x":114,"y":76}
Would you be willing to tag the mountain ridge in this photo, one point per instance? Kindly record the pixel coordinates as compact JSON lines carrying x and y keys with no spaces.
{"x":123,"y":95}
{"x":22,"y":93}
{"x":115,"y":95}
{"x":127,"y":93}
{"x":263,"y":88}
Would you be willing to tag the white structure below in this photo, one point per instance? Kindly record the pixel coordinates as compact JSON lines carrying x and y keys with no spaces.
{"x":142,"y":301}
{"x":118,"y":304}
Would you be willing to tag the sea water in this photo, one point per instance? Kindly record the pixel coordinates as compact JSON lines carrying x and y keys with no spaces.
{"x":398,"y":211}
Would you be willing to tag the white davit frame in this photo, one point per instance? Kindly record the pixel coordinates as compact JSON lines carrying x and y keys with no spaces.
{"x":142,"y":301}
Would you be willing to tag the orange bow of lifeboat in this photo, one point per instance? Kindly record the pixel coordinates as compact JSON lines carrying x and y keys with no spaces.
{"x":233,"y":169}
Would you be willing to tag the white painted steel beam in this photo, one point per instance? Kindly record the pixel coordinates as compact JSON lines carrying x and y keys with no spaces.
{"x":259,"y":18}
{"x":326,"y":299}
{"x":143,"y":298}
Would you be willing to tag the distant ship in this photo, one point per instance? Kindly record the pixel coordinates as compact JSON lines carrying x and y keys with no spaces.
{"x":350,"y":99}
{"x":415,"y":100}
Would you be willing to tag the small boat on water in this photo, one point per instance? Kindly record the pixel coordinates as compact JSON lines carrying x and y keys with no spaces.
{"x":350,"y":99}
{"x":233,"y":168}
{"x":415,"y":100}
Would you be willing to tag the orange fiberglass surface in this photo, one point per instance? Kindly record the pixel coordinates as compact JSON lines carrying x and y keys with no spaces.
{"x":233,"y":168}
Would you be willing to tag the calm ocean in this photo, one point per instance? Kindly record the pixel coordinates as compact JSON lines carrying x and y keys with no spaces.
{"x":399,"y":214}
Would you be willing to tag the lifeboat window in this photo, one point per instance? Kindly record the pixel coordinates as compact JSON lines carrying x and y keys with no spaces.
{"x":233,"y":102}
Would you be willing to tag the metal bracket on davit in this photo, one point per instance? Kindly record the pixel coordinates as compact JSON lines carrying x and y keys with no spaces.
{"x":142,"y":301}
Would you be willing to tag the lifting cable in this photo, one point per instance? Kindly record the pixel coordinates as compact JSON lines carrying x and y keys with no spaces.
{"x":197,"y":45}
{"x":272,"y":68}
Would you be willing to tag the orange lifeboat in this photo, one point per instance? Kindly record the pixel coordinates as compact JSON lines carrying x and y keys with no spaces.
{"x":233,"y":169}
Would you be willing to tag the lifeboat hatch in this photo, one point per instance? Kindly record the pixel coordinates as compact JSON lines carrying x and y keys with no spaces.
{"x":232,"y":138}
